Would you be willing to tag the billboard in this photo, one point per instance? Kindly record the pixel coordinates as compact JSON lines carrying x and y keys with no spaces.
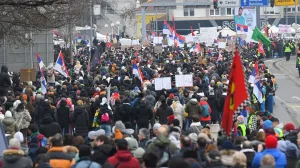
{"x":285,"y":2}
{"x":245,"y":21}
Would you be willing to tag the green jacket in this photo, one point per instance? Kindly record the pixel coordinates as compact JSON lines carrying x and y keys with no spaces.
{"x":161,"y":142}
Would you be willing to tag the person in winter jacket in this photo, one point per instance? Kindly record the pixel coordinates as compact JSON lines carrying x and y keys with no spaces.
{"x":81,"y":120}
{"x":271,"y":148}
{"x":9,"y":124}
{"x":195,"y":126}
{"x":23,"y":119}
{"x":118,"y":110}
{"x":63,"y":116}
{"x":5,"y":81}
{"x":142,"y":114}
{"x":33,"y":148}
{"x":205,"y":111}
{"x":291,"y":154}
{"x":248,"y":150}
{"x":193,"y":108}
{"x":42,"y":109}
{"x":213,"y":104}
{"x":105,"y":116}
{"x":49,"y":127}
{"x":163,"y":112}
{"x":178,"y":110}
{"x":14,"y":157}
{"x":84,"y":158}
{"x":34,"y":132}
{"x":127,"y":112}
{"x":123,"y":158}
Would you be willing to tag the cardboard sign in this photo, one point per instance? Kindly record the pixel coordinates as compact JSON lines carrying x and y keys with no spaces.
{"x":27,"y":75}
{"x":115,"y":45}
{"x":157,"y":49}
{"x":145,"y":43}
{"x":162,"y":83}
{"x":165,"y":42}
{"x":184,"y":80}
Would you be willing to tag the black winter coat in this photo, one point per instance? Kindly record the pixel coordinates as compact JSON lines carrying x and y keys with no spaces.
{"x":5,"y":81}
{"x":104,"y":109}
{"x":49,"y":128}
{"x":81,"y":121}
{"x":142,"y":113}
{"x":127,"y":113}
{"x":163,"y":112}
{"x":212,"y":101}
{"x":118,"y":112}
{"x":63,"y":115}
{"x":43,"y":109}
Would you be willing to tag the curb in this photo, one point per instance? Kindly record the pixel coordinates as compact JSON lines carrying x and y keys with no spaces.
{"x":287,"y":71}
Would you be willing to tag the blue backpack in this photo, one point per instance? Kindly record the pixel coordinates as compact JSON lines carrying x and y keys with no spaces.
{"x":205,"y":110}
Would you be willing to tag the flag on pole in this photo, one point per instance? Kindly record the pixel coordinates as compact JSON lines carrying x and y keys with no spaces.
{"x":40,"y":62}
{"x":166,"y":28}
{"x":60,"y":65}
{"x":137,"y":72}
{"x":236,"y":95}
{"x":258,"y":36}
{"x":260,"y":48}
{"x":254,"y":79}
{"x":192,"y":31}
{"x":43,"y":80}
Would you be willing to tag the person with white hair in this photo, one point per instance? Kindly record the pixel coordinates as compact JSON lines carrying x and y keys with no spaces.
{"x":14,"y":157}
{"x":178,"y":110}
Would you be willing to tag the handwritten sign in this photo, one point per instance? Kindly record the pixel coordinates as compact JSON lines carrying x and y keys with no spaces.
{"x":27,"y":75}
{"x":184,"y":80}
{"x":162,"y":83}
{"x":284,"y":28}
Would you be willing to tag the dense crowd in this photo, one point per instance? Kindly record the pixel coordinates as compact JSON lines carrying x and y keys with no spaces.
{"x":104,"y":116}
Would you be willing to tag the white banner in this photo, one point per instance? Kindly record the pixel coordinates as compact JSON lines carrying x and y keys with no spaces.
{"x":284,"y":29}
{"x":184,"y":80}
{"x":162,"y":83}
{"x":207,"y":35}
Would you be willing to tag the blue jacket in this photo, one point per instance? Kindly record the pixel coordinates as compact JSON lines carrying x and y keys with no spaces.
{"x":279,"y":157}
{"x":86,"y":163}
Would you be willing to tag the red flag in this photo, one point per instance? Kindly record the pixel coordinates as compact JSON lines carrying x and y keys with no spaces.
{"x":272,"y":35}
{"x":236,"y":94}
{"x":266,"y":32}
{"x":198,"y":47}
{"x":260,"y":48}
{"x":174,"y":27}
{"x":192,"y":31}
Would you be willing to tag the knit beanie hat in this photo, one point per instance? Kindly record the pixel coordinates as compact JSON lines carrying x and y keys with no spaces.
{"x":193,"y":137}
{"x":8,"y":114}
{"x":91,"y":134}
{"x":227,"y":145}
{"x":267,"y":124}
{"x":271,"y":142}
{"x":16,"y":104}
{"x":138,"y":153}
{"x":119,"y":125}
{"x":84,"y":150}
{"x":100,"y":132}
{"x":289,"y":127}
{"x":118,"y":134}
{"x":19,"y":136}
{"x":132,"y":143}
{"x":14,"y":143}
{"x":291,"y":151}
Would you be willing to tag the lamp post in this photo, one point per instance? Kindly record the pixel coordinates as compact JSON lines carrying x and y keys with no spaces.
{"x":118,"y":24}
{"x":112,"y":30}
{"x":106,"y":26}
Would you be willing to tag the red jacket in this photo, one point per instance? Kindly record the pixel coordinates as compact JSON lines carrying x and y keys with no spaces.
{"x":207,"y":118}
{"x":124,"y":159}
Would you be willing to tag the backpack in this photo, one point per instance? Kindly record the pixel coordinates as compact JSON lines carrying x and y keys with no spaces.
{"x":105,"y":117}
{"x":43,"y":142}
{"x":205,"y":110}
{"x":164,"y":155}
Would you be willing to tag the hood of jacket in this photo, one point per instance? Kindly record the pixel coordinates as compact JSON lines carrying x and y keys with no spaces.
{"x":274,"y":152}
{"x":123,"y":156}
{"x":79,"y":110}
{"x":162,"y":140}
{"x":193,"y":101}
{"x":8,"y":121}
{"x":105,"y":149}
{"x":47,"y":120}
{"x":129,"y":131}
{"x":12,"y":155}
{"x":227,"y":157}
{"x":196,"y":124}
{"x":4,"y":69}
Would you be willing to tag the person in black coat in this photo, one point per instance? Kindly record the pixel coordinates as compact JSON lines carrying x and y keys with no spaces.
{"x":5,"y":81}
{"x":163,"y":112}
{"x":127,"y":112}
{"x":48,"y":127}
{"x":81,"y":120}
{"x":142,"y":114}
{"x":63,"y":116}
{"x":118,"y":110}
{"x":41,"y":110}
{"x":212,"y":101}
{"x":127,"y":83}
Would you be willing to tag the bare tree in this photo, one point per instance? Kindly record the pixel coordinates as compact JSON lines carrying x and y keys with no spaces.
{"x":18,"y":17}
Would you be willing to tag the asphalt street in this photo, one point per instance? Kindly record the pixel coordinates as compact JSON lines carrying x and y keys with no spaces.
{"x":287,"y":99}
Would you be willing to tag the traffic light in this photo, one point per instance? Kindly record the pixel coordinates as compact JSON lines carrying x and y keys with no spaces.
{"x":215,"y":4}
{"x":272,"y":3}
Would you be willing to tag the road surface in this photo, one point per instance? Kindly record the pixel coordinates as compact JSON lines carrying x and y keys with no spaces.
{"x":287,"y":99}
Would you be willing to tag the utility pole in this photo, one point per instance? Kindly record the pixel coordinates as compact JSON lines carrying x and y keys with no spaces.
{"x":70,"y":33}
{"x":91,"y":24}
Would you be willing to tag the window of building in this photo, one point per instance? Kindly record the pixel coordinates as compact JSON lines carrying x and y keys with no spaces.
{"x":214,"y":12}
{"x":188,"y":12}
{"x":230,"y":11}
{"x":272,"y":11}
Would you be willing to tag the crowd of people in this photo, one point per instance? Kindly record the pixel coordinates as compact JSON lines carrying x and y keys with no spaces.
{"x":104,"y":116}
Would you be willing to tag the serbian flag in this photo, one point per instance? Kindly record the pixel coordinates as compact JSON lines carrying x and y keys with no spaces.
{"x":192,"y":31}
{"x":242,"y":28}
{"x":166,"y":29}
{"x":79,"y":36}
{"x":260,"y":48}
{"x":254,"y":79}
{"x":236,"y":95}
{"x":40,"y":62}
{"x":137,"y":72}
{"x":60,"y":65}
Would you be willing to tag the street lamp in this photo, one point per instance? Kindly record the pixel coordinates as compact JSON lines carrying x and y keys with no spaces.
{"x":118,"y":24}
{"x":112,"y":30}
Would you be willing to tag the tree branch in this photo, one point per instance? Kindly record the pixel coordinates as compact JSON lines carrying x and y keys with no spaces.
{"x":32,"y":3}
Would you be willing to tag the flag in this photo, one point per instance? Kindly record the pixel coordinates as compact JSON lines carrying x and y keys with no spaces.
{"x":192,"y":31}
{"x":236,"y":95}
{"x":242,"y":28}
{"x":40,"y":62}
{"x":174,"y":27}
{"x":166,"y":28}
{"x":79,"y":37}
{"x":258,"y":36}
{"x":272,"y":35}
{"x":215,"y":41}
{"x":260,"y":48}
{"x":266,"y":31}
{"x":137,"y":72}
{"x":60,"y":65}
{"x":254,"y":79}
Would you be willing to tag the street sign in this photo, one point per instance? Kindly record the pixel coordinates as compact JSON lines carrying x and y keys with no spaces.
{"x":228,"y":3}
{"x":255,"y":2}
{"x":285,"y":2}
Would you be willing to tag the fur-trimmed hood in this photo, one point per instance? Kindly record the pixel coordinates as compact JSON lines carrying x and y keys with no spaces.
{"x":12,"y":155}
